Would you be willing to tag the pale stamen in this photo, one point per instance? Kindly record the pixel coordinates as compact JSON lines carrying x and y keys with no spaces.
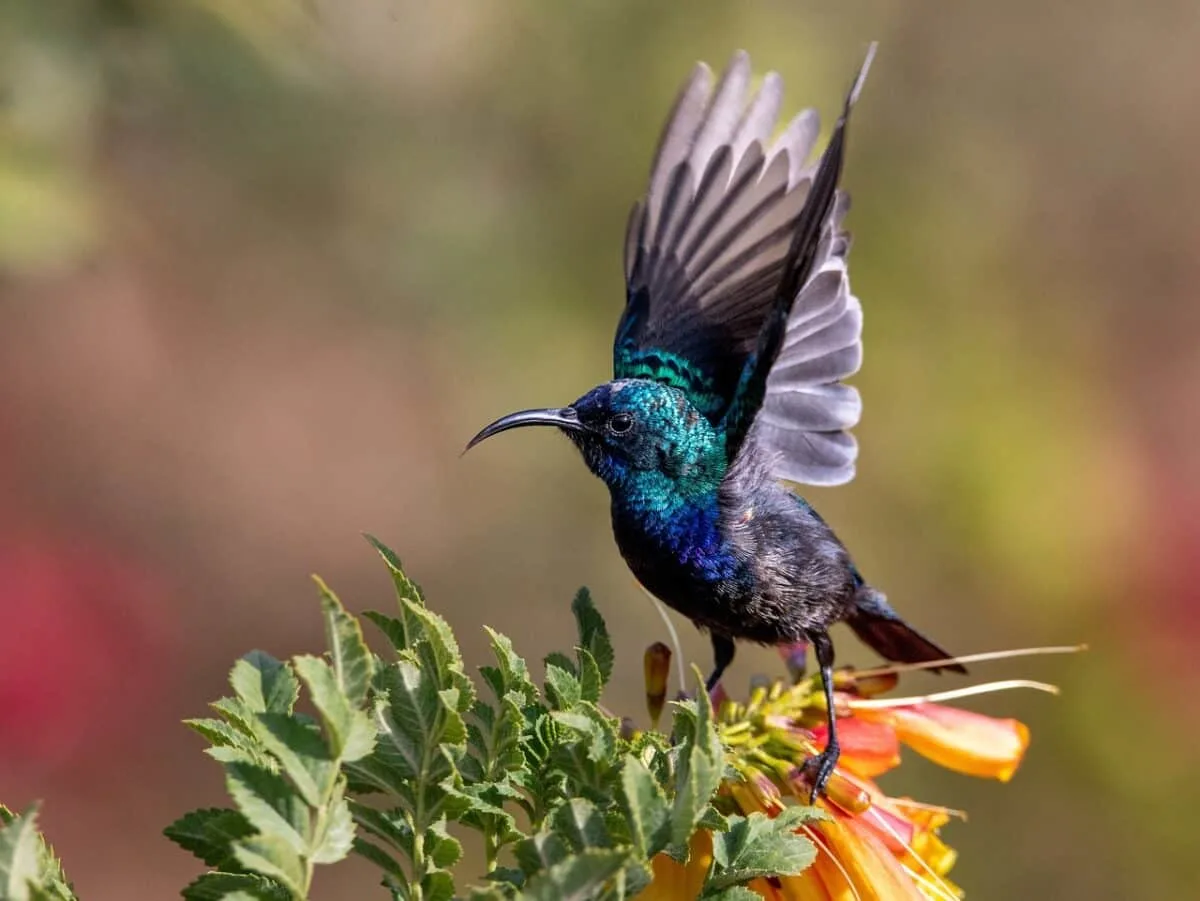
{"x":935,"y":888}
{"x":953,"y":694}
{"x":940,"y":884}
{"x":817,"y":840}
{"x":890,"y":668}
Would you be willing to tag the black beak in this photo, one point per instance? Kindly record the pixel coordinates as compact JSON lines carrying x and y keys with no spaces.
{"x":564,"y":418}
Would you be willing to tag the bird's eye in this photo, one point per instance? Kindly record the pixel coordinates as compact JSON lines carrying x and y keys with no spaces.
{"x":620,"y":424}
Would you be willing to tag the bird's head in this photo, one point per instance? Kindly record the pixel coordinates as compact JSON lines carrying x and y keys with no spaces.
{"x":633,"y":429}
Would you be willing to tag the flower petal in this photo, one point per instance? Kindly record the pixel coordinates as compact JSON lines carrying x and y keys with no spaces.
{"x":960,"y":740}
{"x":869,"y":747}
{"x":674,"y":881}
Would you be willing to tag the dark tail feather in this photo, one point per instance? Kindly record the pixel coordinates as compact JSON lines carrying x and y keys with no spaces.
{"x":879,"y":626}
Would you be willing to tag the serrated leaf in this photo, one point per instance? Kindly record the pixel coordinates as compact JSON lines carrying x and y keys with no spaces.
{"x":405,"y":587}
{"x":646,"y":810}
{"x":757,"y":846}
{"x":562,"y":687}
{"x":443,"y":849}
{"x":732,"y":893}
{"x":301,"y":751}
{"x":540,"y":852}
{"x":209,"y":834}
{"x":389,"y":825}
{"x":352,"y":661}
{"x":19,"y":855}
{"x":582,"y":825}
{"x":264,"y":684}
{"x":576,"y":878}
{"x":437,"y":886}
{"x":270,"y":804}
{"x":221,"y":886}
{"x":562,"y":661}
{"x":512,"y":669}
{"x":591,"y":683}
{"x":701,"y":764}
{"x":402,"y":633}
{"x":350,"y":730}
{"x":593,"y":633}
{"x":379,"y":857}
{"x":336,"y":837}
{"x":439,"y":651}
{"x":272,"y":856}
{"x":414,"y":718}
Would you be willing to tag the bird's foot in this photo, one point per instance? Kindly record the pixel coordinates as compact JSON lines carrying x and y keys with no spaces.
{"x":818,"y":769}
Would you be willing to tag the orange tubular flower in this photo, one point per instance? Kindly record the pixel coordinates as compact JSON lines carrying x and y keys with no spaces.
{"x":959,"y":740}
{"x":870,"y":847}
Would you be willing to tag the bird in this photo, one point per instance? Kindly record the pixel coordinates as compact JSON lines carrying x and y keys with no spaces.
{"x":738,"y":331}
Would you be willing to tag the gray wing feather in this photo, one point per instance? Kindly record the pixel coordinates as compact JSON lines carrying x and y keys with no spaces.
{"x":714,"y":227}
{"x":709,"y":240}
{"x":807,"y":411}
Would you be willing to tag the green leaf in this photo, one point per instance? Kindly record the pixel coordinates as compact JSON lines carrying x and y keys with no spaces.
{"x":302,"y":752}
{"x":389,"y":825}
{"x":415,"y":719}
{"x":732,"y":893}
{"x":591,"y":683}
{"x":219,"y":886}
{"x":437,"y":886}
{"x":405,"y":587}
{"x":19,"y":856}
{"x":756,"y":846}
{"x":334,"y":840}
{"x":270,"y":804}
{"x":582,"y":825}
{"x":380,"y":858}
{"x":540,"y":852}
{"x":646,"y":810}
{"x":441,"y":847}
{"x":439,"y":651}
{"x":576,"y":878}
{"x":272,"y":856}
{"x":351,"y":733}
{"x":352,"y":660}
{"x":264,"y":684}
{"x":209,"y":834}
{"x":562,"y":688}
{"x":514,"y":674}
{"x":593,"y":633}
{"x":701,"y":764}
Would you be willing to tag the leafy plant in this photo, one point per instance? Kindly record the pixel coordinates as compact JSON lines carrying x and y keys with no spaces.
{"x":397,"y":758}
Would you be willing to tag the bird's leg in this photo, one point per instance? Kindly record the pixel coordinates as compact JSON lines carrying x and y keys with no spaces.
{"x":821,"y":766}
{"x":723,"y":651}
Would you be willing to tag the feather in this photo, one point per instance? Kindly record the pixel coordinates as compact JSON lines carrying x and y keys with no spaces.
{"x":732,"y":236}
{"x":704,"y":248}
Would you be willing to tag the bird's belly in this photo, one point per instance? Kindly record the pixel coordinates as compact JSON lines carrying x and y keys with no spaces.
{"x":736,"y":594}
{"x":707,"y":584}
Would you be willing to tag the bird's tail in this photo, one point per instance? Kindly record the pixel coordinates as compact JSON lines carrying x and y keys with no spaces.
{"x":879,"y":626}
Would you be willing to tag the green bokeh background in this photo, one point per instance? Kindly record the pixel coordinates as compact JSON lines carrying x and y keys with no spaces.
{"x":266,"y":264}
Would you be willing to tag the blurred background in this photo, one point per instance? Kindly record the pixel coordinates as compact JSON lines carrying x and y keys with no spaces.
{"x":265,"y":265}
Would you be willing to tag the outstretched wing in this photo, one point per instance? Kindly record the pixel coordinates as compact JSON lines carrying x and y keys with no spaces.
{"x":706,"y":248}
{"x":789,"y":390}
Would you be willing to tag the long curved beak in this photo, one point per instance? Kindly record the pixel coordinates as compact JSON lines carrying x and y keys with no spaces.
{"x":564,"y":418}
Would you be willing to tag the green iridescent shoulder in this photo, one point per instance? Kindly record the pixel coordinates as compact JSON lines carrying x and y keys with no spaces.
{"x":669,"y":369}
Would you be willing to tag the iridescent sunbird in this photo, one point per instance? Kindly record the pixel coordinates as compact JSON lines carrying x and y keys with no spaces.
{"x":738,"y":329}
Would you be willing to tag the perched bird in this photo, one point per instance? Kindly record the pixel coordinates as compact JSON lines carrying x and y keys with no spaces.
{"x":738,"y":329}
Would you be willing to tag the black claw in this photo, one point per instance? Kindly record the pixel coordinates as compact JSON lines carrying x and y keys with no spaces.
{"x":819,"y":768}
